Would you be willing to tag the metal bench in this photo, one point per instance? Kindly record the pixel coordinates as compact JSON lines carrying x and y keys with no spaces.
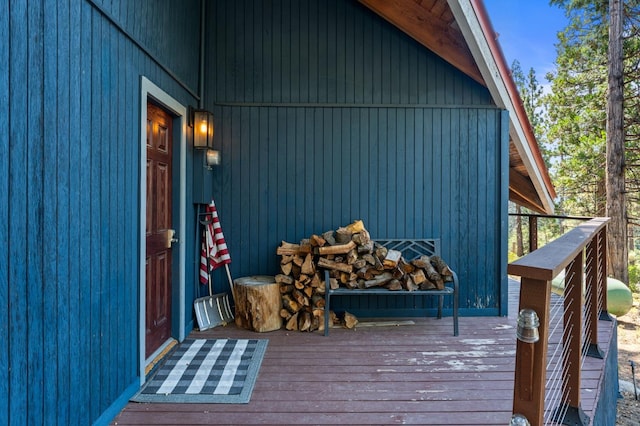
{"x":411,"y":249}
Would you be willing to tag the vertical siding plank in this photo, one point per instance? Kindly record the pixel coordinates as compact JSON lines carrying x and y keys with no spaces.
{"x":108,"y":227}
{"x":502,"y":143}
{"x":5,"y":321}
{"x":95,"y":255}
{"x":84,"y":358}
{"x":132,"y":226}
{"x":75,"y":207}
{"x":300,"y":43}
{"x":50,"y":191}
{"x":64,"y":207}
{"x":35,"y":209}
{"x":409,"y":174}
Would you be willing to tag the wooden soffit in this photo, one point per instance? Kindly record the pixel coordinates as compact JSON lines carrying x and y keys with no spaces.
{"x":433,"y":24}
{"x":442,"y":37}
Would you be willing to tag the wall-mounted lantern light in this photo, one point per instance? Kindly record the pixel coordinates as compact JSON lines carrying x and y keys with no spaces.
{"x":202,"y":123}
{"x":203,"y":129}
{"x":528,"y":324}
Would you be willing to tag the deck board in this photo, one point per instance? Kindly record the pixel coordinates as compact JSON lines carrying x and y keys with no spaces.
{"x":406,"y":374}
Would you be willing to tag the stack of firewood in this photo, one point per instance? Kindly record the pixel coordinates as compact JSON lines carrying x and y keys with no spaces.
{"x":353,"y":261}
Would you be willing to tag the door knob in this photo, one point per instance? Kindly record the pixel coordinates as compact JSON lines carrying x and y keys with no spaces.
{"x":170,"y":237}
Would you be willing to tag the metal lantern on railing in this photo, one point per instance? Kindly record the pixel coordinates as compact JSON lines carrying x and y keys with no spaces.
{"x":519,"y":420}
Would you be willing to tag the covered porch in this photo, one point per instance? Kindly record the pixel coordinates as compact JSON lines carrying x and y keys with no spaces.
{"x":415,"y":373}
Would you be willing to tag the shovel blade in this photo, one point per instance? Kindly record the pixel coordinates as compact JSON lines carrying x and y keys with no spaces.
{"x":208,"y":313}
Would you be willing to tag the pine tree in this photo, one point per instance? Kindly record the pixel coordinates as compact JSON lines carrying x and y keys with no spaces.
{"x":577,"y":113}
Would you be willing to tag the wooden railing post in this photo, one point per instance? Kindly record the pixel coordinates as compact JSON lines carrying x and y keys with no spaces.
{"x":602,"y":274}
{"x":529,"y":388}
{"x":592,"y":299}
{"x":569,"y":408}
{"x":537,"y":269}
{"x":533,"y":233}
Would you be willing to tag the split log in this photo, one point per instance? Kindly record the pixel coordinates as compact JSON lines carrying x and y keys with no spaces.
{"x":359,"y":263}
{"x":294,"y":249}
{"x":317,"y":240}
{"x":300,"y":297}
{"x":369,"y":258}
{"x":440,"y":265}
{"x":366,"y":248}
{"x":258,"y":303}
{"x":329,"y":238}
{"x":316,"y":281}
{"x":379,"y":280}
{"x":378,"y":263}
{"x":418,"y":276}
{"x":394,"y":285}
{"x":286,"y":258}
{"x":421,"y":262}
{"x":397,"y":273}
{"x":427,"y":285}
{"x":304,"y":321}
{"x":298,"y":260}
{"x":343,"y":235}
{"x":290,"y":304}
{"x":308,"y":291}
{"x":317,"y":301}
{"x":337,"y":249}
{"x":356,"y":227}
{"x":333,"y":283}
{"x":285,"y":314}
{"x":318,"y":319}
{"x":338,"y":266}
{"x":350,"y":320}
{"x":409,"y":284}
{"x":352,"y":257}
{"x":284,"y":279}
{"x":391,"y":259}
{"x":308,"y":267}
{"x":286,"y":288}
{"x":405,"y":266}
{"x":292,"y":323}
{"x":286,"y":268}
{"x":381,"y":252}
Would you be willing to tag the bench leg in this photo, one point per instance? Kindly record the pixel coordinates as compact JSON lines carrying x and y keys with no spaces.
{"x":455,"y":313}
{"x":326,"y":314}
{"x":440,"y":303}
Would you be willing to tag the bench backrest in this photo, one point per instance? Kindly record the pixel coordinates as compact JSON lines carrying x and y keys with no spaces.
{"x":412,"y":248}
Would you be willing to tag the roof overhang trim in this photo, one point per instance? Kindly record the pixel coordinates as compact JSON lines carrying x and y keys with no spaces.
{"x":473,"y":22}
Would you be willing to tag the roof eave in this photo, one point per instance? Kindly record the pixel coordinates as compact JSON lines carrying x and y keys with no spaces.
{"x":474,"y":23}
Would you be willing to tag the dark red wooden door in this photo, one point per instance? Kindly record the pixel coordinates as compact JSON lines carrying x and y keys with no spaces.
{"x":158,"y":228}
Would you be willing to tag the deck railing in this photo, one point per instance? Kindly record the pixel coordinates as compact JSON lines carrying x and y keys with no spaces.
{"x":581,"y":255}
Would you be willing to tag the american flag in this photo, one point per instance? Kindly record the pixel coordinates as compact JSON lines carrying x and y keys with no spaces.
{"x":213,"y":252}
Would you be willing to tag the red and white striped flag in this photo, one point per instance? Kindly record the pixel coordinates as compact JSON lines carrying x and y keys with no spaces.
{"x":213,"y":241}
{"x":204,"y":262}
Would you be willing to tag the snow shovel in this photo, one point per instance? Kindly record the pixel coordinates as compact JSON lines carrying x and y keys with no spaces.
{"x":214,"y":309}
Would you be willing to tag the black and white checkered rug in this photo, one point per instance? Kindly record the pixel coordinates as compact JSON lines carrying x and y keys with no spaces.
{"x":207,"y":371}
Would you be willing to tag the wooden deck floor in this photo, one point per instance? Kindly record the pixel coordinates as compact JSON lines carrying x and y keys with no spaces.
{"x":405,"y":374}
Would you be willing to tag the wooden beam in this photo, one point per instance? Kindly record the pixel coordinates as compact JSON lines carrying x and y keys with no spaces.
{"x":522,"y":191}
{"x":429,"y":30}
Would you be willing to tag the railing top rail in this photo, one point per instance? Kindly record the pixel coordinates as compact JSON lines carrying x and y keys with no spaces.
{"x":549,"y":260}
{"x":551,"y":216}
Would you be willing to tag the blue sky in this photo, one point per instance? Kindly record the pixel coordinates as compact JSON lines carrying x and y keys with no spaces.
{"x":527,"y":32}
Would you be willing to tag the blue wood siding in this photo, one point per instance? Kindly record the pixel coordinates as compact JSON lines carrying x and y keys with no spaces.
{"x":70,"y":195}
{"x":325,"y":114}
